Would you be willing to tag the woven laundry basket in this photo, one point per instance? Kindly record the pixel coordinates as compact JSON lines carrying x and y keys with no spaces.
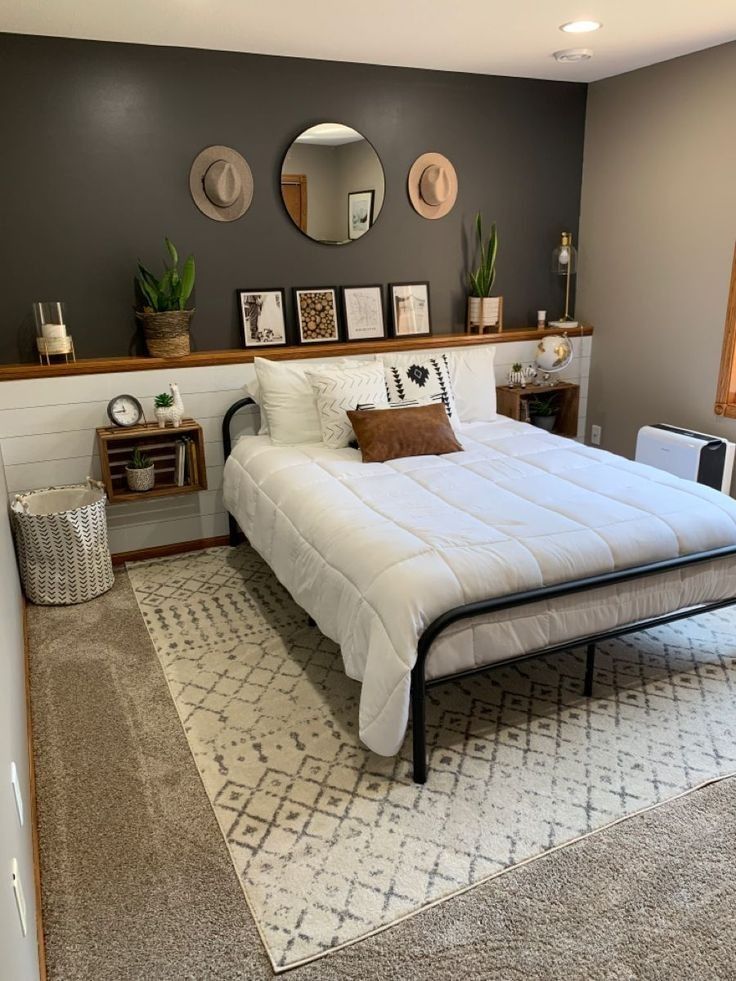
{"x":61,"y":540}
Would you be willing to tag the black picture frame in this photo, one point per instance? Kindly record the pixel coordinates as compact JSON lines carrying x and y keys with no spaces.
{"x":245,"y":322}
{"x":355,"y":333}
{"x":371,"y":212}
{"x":300,"y":325}
{"x":398,"y":319}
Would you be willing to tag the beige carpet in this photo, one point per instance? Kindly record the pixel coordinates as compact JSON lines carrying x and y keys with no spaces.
{"x":332,"y":843}
{"x":138,"y":884}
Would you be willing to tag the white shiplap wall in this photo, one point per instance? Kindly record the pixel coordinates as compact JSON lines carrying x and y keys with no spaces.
{"x":47,"y":436}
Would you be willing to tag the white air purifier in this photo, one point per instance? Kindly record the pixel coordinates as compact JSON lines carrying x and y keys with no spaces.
{"x":695,"y":456}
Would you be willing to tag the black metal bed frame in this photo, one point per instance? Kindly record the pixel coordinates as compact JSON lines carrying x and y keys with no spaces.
{"x":420,"y":683}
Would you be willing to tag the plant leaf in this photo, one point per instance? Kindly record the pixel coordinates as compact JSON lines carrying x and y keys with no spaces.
{"x":150,"y":293}
{"x":172,"y":250}
{"x":187,"y":281}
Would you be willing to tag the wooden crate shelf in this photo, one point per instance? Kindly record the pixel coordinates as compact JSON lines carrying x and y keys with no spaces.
{"x":116,"y":446}
{"x":513,"y":401}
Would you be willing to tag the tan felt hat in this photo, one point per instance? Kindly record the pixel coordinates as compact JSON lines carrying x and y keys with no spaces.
{"x":432,"y":185}
{"x":221,"y":183}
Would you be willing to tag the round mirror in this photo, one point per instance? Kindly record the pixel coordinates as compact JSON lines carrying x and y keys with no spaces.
{"x":332,"y":183}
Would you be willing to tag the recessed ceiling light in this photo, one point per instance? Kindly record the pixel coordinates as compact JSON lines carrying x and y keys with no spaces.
{"x":573,"y":54}
{"x":581,"y":26}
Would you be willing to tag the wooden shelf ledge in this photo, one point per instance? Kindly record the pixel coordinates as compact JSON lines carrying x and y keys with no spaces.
{"x":200,"y":359}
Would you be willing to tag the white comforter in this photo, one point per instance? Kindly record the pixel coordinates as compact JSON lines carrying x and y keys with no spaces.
{"x":374,"y":552}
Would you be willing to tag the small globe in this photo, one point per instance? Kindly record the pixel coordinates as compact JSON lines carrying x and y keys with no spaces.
{"x":554,"y":353}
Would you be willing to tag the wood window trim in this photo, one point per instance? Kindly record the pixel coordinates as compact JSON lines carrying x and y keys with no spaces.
{"x":726,"y":392}
{"x":202,"y":359}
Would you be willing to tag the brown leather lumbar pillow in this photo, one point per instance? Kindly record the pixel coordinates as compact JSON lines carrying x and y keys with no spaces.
{"x":387,"y":434}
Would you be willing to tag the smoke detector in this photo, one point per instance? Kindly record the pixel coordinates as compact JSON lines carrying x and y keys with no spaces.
{"x":573,"y":54}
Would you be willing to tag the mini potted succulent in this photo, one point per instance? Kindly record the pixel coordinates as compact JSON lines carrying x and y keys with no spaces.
{"x":140,"y":471}
{"x":485,"y":312}
{"x":163,"y":302}
{"x":543,"y":411}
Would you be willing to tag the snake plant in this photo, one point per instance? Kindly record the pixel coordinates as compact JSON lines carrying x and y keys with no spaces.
{"x":139,"y":460}
{"x":482,"y":280}
{"x":173,"y":289}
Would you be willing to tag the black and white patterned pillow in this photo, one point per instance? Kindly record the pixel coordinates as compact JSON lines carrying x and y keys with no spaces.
{"x":425,"y":379}
{"x":406,"y":404}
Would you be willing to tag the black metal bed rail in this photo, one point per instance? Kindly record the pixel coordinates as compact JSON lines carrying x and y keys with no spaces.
{"x":227,"y":446}
{"x":419,"y":682}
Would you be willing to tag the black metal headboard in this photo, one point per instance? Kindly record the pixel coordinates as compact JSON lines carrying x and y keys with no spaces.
{"x":227,"y":445}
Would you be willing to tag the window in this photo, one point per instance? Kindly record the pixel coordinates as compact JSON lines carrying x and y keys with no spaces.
{"x":726,"y":391}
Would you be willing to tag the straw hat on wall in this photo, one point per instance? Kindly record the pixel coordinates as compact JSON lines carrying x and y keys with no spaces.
{"x":432,"y":185}
{"x":221,"y":183}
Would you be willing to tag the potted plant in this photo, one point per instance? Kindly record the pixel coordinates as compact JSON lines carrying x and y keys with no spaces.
{"x":165,"y":317}
{"x":485,"y":312}
{"x":543,"y":411}
{"x":140,"y":471}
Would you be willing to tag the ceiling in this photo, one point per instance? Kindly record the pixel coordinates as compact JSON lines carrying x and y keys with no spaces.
{"x":516,"y":37}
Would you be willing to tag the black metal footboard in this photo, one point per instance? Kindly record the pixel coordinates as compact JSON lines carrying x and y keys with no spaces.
{"x":420,"y":684}
{"x":227,"y":445}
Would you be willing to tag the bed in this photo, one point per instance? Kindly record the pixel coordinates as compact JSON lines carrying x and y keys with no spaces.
{"x":428,"y":569}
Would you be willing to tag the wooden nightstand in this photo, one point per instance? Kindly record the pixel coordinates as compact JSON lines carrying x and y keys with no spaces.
{"x":116,"y":447}
{"x":513,"y":401}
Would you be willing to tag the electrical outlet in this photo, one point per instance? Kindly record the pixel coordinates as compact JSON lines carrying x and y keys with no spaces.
{"x":20,"y":899}
{"x":595,"y":435}
{"x":15,"y":784}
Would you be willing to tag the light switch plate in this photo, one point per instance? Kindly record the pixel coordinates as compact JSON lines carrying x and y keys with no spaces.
{"x":20,"y":899}
{"x":15,"y":784}
{"x":595,"y":435}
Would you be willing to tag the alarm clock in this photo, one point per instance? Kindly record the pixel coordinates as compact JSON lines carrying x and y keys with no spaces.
{"x":125,"y":410}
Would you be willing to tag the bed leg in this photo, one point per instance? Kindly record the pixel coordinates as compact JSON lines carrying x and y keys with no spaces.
{"x":589,"y":670}
{"x":232,"y":525}
{"x":418,"y":725}
{"x":311,"y":622}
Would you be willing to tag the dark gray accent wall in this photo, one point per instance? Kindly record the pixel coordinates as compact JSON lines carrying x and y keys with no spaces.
{"x":96,"y":141}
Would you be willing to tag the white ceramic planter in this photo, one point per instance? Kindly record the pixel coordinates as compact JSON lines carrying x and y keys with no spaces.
{"x":484,"y":312}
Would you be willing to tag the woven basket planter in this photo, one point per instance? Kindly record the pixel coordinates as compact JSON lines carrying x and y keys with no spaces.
{"x":61,"y":540}
{"x":167,"y":334}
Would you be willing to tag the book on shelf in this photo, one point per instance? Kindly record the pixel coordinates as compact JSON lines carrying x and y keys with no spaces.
{"x":180,"y":462}
{"x":186,"y":468}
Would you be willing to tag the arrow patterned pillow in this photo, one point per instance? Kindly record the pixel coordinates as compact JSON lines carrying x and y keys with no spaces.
{"x":424,"y":378}
{"x":336,"y":390}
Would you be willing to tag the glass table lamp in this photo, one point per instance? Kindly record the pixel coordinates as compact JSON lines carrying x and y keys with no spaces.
{"x":565,"y":263}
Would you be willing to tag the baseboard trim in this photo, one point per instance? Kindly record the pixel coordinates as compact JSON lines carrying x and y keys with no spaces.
{"x":161,"y":551}
{"x":40,"y":938}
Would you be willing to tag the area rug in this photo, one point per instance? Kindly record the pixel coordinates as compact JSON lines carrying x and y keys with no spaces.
{"x":332,"y":843}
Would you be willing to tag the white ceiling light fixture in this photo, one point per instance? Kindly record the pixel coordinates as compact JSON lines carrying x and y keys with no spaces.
{"x":573,"y":54}
{"x":581,"y":26}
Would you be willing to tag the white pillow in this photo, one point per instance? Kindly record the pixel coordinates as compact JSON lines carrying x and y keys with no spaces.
{"x":287,"y":399}
{"x":340,"y":388}
{"x":254,"y":390}
{"x":420,"y":376}
{"x":474,"y":382}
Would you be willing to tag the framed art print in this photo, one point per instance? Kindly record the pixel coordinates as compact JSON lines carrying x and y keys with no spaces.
{"x":263,"y":317}
{"x":360,"y":212}
{"x":410,"y":309}
{"x":316,"y":311}
{"x":363,"y":317}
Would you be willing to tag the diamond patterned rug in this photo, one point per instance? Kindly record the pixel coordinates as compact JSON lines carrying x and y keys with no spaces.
{"x":331,"y":842}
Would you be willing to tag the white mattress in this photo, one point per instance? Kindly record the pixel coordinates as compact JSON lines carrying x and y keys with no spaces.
{"x":375,"y":552}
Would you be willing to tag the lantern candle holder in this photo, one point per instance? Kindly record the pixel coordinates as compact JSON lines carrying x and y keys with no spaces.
{"x":52,"y":339}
